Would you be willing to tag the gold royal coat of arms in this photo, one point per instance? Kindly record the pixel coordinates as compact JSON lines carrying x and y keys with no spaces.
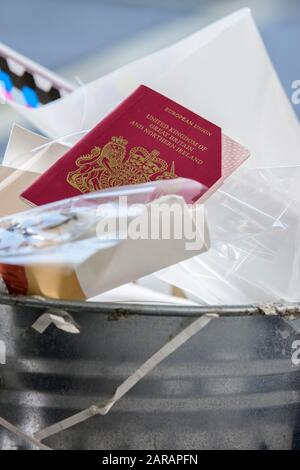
{"x":111,"y":166}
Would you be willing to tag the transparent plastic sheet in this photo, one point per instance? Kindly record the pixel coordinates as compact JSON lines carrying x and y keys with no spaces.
{"x":254,"y":223}
{"x":74,"y":239}
{"x":46,"y":232}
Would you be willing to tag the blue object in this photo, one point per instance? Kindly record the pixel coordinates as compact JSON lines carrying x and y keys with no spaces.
{"x":30,"y":97}
{"x":5,"y":78}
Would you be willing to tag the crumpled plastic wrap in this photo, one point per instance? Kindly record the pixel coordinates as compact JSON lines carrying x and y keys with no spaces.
{"x":254,"y":222}
{"x":55,"y":227}
{"x":70,"y":250}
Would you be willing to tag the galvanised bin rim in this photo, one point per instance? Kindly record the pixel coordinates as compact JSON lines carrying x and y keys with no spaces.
{"x":290,"y":311}
{"x":250,"y":384}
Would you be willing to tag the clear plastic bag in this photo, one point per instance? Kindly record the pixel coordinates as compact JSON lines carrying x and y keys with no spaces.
{"x":72,"y":245}
{"x":254,"y":223}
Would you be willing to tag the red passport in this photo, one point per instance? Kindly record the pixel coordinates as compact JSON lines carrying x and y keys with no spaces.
{"x":147,"y":137}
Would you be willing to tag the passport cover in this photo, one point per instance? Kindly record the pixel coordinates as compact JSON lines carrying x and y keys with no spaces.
{"x":147,"y":137}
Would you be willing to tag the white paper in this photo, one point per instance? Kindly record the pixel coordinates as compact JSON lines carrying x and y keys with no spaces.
{"x":27,"y":150}
{"x":130,"y":259}
{"x":222,"y":72}
{"x":134,"y":293}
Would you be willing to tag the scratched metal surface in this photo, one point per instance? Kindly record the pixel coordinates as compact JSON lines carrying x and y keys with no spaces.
{"x":231,"y":386}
